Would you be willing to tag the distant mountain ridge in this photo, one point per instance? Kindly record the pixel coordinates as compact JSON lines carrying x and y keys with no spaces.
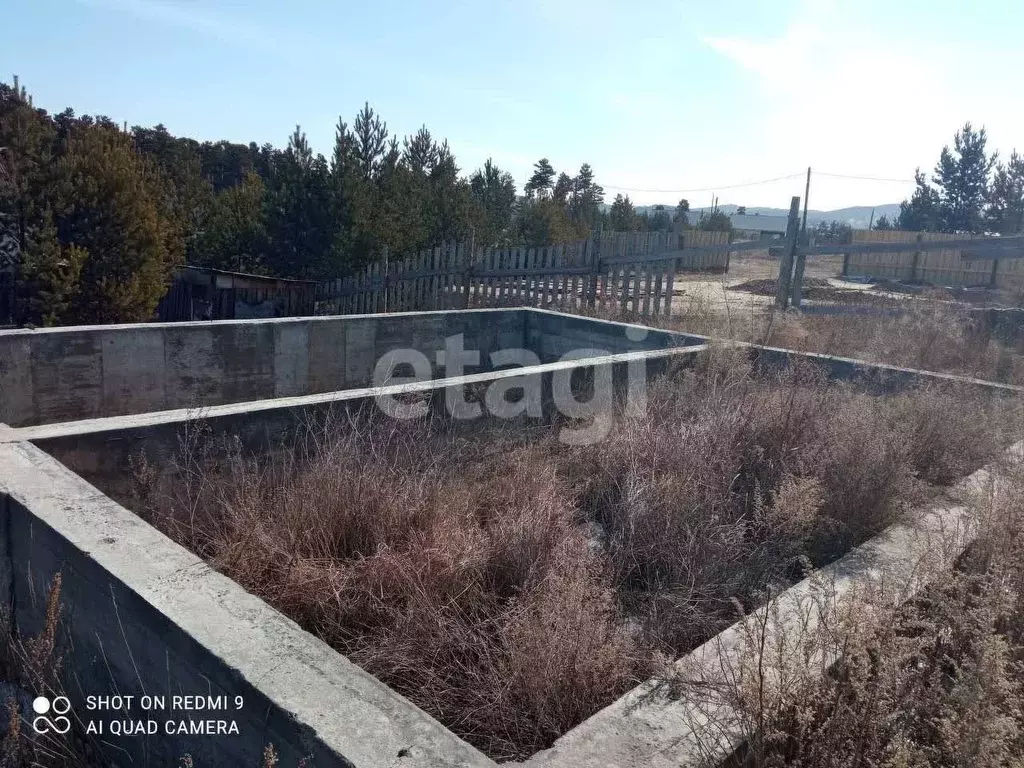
{"x":857,"y":216}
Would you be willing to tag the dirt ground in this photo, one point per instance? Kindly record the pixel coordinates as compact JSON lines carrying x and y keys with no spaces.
{"x":717,"y":295}
{"x":710,"y":293}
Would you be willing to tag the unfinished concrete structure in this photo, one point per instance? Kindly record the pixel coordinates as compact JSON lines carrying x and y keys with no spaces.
{"x":145,"y":615}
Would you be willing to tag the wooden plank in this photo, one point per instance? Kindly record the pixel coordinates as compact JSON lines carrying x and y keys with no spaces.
{"x":670,"y":287}
{"x":567,"y":280}
{"x":531,"y":281}
{"x":455,"y":275}
{"x":448,"y":258}
{"x":624,"y":279}
{"x":442,"y":277}
{"x":395,"y":268}
{"x":465,"y":279}
{"x":637,"y":277}
{"x":519,"y":292}
{"x":433,"y":282}
{"x":373,"y":292}
{"x":483,"y":285}
{"x":656,"y":299}
{"x":974,"y":245}
{"x":648,"y":278}
{"x":687,"y":253}
{"x":545,"y":263}
{"x":518,"y":258}
{"x":499,"y":262}
{"x":421,"y":283}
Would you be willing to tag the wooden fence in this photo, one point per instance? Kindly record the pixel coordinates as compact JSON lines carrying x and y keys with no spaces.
{"x":634,"y":272}
{"x":942,"y":267}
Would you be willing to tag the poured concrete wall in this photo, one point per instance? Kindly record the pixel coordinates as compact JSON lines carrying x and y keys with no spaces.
{"x":62,"y":374}
{"x":105,"y":451}
{"x":142,"y":615}
{"x":554,"y":334}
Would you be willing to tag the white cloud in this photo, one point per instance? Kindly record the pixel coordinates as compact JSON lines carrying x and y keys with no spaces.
{"x":842,"y":97}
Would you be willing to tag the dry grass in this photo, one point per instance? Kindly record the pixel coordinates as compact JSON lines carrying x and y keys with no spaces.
{"x":32,"y":666}
{"x":511,"y":585}
{"x":930,"y":333}
{"x":936,"y":682}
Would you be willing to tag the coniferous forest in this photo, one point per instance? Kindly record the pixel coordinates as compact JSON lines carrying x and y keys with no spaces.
{"x":100,"y":213}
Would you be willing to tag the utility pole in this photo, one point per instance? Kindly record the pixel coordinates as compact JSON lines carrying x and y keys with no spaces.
{"x":871,"y":221}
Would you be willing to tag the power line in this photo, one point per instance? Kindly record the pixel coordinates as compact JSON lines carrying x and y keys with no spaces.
{"x":708,"y":189}
{"x":863,"y":178}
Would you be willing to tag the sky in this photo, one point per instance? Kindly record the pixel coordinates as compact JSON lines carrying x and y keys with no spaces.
{"x":664,"y":99}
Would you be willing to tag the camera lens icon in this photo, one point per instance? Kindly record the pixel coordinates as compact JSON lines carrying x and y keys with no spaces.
{"x":60,"y":706}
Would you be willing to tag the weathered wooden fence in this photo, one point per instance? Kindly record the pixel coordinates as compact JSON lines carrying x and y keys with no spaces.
{"x":953,"y":266}
{"x":632,"y":271}
{"x":948,"y":259}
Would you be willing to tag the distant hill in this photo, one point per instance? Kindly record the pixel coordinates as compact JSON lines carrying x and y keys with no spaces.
{"x":857,"y":216}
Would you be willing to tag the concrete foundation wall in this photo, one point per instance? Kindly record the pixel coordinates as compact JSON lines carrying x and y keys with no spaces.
{"x":553,"y":334}
{"x":142,"y":615}
{"x":104,"y":451}
{"x":60,"y":374}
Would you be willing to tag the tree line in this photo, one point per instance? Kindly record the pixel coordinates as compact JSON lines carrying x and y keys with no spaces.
{"x":971,"y":191}
{"x":101,"y":214}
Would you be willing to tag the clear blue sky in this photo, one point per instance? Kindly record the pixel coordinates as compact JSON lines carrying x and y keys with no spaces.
{"x":656,"y":95}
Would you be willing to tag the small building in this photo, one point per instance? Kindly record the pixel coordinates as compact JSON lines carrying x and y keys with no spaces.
{"x":754,"y":226}
{"x":202,"y":293}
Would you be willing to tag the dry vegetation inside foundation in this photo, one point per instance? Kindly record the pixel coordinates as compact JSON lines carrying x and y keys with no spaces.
{"x":937,"y":682}
{"x":926,"y":333}
{"x":511,"y":585}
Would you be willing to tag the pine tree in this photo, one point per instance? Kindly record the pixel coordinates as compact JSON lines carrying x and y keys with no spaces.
{"x":541,"y":181}
{"x":623,"y":215}
{"x":371,"y":140}
{"x":682,"y":213}
{"x":660,"y":221}
{"x":715,"y":221}
{"x":421,"y":151}
{"x":562,"y":189}
{"x":587,"y":197}
{"x":1006,"y":197}
{"x":110,"y":207}
{"x":300,"y":227}
{"x":235,"y":236}
{"x":924,"y":211}
{"x":52,"y":274}
{"x":962,"y":178}
{"x":493,"y":193}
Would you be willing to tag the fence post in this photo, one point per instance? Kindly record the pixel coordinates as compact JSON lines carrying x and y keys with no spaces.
{"x":786,"y":264}
{"x":798,"y":271}
{"x":914,"y":262}
{"x":595,"y":269}
{"x":467,"y":273}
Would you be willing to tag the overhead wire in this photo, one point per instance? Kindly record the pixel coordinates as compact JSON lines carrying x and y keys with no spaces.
{"x":861,"y":178}
{"x":708,"y":189}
